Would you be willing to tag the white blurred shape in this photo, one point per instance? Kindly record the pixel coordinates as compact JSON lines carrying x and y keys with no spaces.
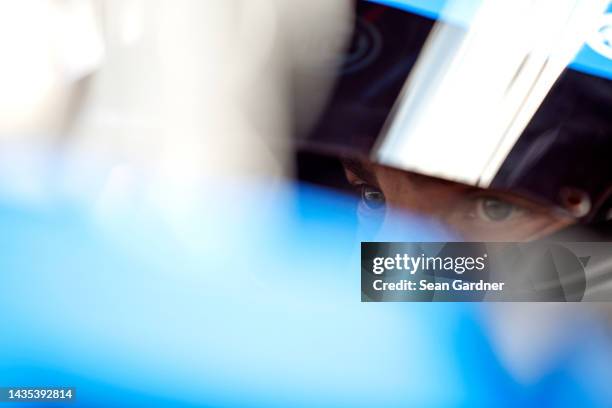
{"x":473,"y":92}
{"x":28,"y":80}
{"x":79,"y":41}
{"x":180,"y":91}
{"x":192,"y":91}
{"x":131,"y":24}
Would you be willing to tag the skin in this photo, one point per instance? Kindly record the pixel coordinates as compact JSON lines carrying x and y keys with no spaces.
{"x":476,"y":214}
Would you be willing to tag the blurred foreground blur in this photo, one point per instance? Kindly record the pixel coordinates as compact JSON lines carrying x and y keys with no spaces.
{"x":163,"y":245}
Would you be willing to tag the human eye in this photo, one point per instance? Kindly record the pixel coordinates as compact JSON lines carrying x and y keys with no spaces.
{"x":372,"y":197}
{"x":372,"y":200}
{"x":488,"y":215}
{"x":495,"y":209}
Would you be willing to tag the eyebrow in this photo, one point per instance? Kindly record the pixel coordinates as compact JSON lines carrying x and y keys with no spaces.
{"x":359,"y":169}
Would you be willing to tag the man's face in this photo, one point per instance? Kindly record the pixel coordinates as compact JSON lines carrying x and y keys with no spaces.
{"x":476,"y":214}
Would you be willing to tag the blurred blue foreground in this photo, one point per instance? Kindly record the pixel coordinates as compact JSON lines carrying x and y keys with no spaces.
{"x":254,"y":301}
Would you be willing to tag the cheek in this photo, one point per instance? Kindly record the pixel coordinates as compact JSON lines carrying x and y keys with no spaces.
{"x":545,"y":225}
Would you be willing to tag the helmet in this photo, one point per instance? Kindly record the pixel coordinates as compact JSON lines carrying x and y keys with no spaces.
{"x":515,"y":98}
